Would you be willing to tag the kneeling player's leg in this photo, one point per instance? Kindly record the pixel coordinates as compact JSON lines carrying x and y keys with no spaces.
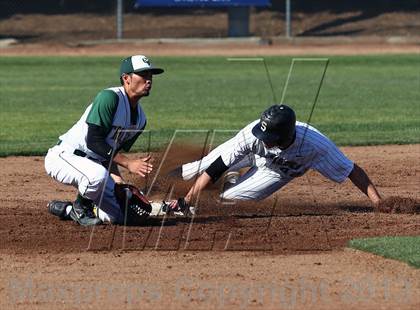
{"x":109,"y":208}
{"x":86,"y":175}
{"x":89,"y":177}
{"x":256,"y":184}
{"x":92,"y":180}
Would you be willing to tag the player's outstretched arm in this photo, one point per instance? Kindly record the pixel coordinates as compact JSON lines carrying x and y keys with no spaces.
{"x":361,"y":180}
{"x":198,"y":186}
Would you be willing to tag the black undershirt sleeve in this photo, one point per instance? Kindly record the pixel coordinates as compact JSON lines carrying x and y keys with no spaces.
{"x":126,"y":146}
{"x":216,"y":169}
{"x":96,"y":141}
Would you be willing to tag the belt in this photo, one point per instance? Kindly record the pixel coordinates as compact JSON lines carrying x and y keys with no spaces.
{"x":78,"y":152}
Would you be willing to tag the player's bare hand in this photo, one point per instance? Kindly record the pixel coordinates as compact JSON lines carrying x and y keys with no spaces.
{"x":141,"y":166}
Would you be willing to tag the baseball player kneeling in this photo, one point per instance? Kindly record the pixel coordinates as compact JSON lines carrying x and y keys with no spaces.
{"x":83,"y":154}
{"x":277,"y":149}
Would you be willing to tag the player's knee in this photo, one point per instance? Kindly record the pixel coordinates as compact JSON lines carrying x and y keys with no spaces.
{"x":92,"y":185}
{"x":100,"y":177}
{"x":50,"y":164}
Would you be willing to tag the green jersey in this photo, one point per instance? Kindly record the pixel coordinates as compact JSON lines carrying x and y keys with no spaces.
{"x":112,"y":111}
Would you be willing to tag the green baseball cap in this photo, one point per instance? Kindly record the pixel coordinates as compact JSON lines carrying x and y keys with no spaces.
{"x":138,"y":63}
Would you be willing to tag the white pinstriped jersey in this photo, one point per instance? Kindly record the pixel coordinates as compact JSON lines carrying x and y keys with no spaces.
{"x":310,"y":150}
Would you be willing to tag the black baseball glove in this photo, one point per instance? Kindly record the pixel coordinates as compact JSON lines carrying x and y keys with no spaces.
{"x":135,"y":207}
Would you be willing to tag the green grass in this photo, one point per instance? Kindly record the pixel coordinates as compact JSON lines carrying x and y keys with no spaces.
{"x":406,"y":249}
{"x":364,"y":100}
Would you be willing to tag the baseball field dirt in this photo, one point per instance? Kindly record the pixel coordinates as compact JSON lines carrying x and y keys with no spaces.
{"x":288,"y":251}
{"x":296,"y":47}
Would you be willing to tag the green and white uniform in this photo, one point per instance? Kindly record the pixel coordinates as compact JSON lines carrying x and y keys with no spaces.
{"x":65,"y":162}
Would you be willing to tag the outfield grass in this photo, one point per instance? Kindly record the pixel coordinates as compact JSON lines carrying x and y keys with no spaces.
{"x":406,"y":249}
{"x":364,"y":100}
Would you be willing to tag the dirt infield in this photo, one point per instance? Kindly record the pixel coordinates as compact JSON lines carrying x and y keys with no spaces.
{"x":286,"y":252}
{"x":259,"y":255}
{"x":338,"y":46}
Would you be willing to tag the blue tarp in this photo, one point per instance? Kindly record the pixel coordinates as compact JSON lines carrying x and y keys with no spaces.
{"x":200,"y":3}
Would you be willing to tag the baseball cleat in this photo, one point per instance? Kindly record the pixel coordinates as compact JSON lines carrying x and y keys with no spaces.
{"x":58,"y":208}
{"x":84,"y":215}
{"x":230,"y":179}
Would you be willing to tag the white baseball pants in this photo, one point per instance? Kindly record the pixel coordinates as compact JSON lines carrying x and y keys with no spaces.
{"x":257,"y":183}
{"x":89,"y":177}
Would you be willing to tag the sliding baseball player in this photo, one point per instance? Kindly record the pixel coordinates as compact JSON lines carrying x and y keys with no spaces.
{"x":277,"y":149}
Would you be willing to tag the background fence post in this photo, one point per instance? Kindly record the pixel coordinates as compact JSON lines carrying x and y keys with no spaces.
{"x":288,"y":20}
{"x":120,"y":19}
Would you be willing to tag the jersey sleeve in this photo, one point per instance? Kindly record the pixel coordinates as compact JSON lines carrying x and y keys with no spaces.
{"x":103,"y":109}
{"x":238,"y":146}
{"x":331,"y":162}
{"x":229,"y":152}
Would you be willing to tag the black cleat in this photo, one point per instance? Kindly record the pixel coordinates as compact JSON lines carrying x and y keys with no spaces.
{"x":84,"y":215}
{"x":58,"y":208}
{"x":230,"y":179}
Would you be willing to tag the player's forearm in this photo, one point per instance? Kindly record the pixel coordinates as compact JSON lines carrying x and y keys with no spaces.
{"x":359,"y":178}
{"x":121,"y":160}
{"x":373,"y":194}
{"x":96,"y":141}
{"x":140,"y":166}
{"x":116,"y":174}
{"x":199,"y":185}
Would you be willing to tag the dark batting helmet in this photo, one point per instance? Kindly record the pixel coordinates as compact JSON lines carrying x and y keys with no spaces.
{"x":276,"y":126}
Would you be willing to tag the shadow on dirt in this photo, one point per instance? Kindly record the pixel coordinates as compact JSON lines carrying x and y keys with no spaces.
{"x":320,"y":30}
{"x":357,"y":209}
